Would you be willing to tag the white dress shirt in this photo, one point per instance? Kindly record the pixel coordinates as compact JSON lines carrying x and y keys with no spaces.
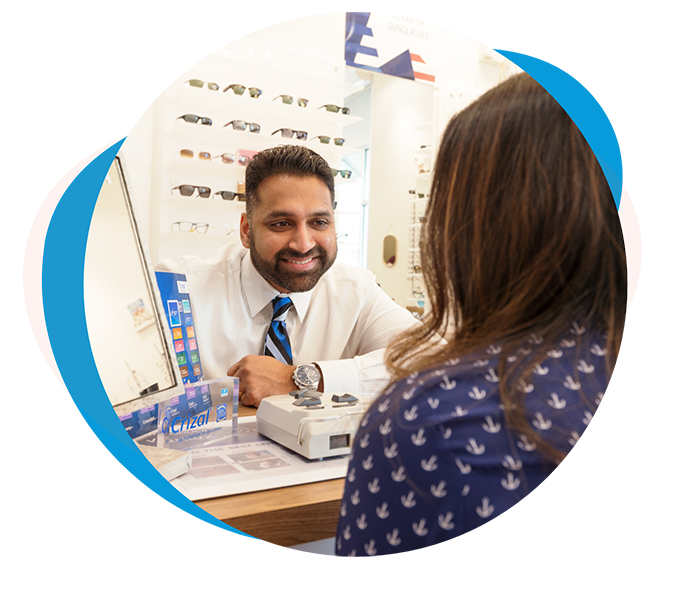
{"x":343,"y":324}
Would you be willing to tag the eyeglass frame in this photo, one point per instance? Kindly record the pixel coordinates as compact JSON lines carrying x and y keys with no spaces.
{"x":195,"y":226}
{"x":200,"y":118}
{"x":254,"y":92}
{"x":295,"y":133}
{"x":208,"y":84}
{"x":196,"y":188}
{"x":235,"y":158}
{"x":246,"y":123}
{"x":241,"y":159}
{"x":204,"y":158}
{"x":301,"y":102}
{"x":328,"y":140}
{"x":226,"y":154}
{"x":344,"y":110}
{"x":234,"y":195}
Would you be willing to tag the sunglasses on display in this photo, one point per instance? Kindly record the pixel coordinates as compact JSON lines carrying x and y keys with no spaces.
{"x":345,"y":173}
{"x":192,"y":119}
{"x":238,"y":89}
{"x":231,"y":195}
{"x":288,"y":100}
{"x":241,"y":126}
{"x":336,"y":109}
{"x":288,"y":133}
{"x":201,"y":227}
{"x":190,"y":227}
{"x":195,"y":82}
{"x":327,"y":140}
{"x":189,"y":154}
{"x":188,"y":190}
{"x":229,"y":159}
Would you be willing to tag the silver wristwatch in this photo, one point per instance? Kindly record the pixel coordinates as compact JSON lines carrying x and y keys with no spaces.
{"x":307,"y":376}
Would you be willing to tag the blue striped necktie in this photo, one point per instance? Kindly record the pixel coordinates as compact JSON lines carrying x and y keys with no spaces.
{"x":277,"y":342}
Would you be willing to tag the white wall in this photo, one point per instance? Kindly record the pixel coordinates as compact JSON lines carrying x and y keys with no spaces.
{"x":399,"y":111}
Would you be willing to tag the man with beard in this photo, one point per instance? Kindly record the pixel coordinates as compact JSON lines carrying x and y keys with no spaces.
{"x":278,"y":312}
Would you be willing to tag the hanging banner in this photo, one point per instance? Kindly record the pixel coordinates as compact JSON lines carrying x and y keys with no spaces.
{"x":390,"y":44}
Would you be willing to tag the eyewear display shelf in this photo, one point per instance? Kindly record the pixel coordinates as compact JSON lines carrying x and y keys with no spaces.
{"x":173,"y":134}
{"x":417,"y":212}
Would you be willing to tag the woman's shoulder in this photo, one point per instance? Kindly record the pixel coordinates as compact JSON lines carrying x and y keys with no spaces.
{"x":437,"y":395}
{"x":566,"y":382}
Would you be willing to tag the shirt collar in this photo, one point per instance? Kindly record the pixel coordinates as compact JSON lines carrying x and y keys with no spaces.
{"x":259,"y":293}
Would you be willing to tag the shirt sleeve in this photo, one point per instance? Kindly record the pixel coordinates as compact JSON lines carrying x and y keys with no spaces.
{"x":365,"y":376}
{"x":362,"y":371}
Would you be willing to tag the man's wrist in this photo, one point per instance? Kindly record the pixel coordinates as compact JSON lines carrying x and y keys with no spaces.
{"x":292,"y":376}
{"x":320,"y":386}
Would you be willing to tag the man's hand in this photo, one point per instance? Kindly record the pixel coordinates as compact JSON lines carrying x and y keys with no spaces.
{"x":260,"y":377}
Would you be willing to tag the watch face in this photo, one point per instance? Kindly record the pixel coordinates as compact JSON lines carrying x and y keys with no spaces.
{"x":308,"y":375}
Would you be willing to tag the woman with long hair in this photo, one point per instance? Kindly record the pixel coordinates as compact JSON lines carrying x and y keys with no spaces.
{"x":524,"y":263}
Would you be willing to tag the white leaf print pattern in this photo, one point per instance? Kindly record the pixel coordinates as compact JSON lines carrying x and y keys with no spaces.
{"x":486,"y":509}
{"x":420,"y":527}
{"x":478,"y":439}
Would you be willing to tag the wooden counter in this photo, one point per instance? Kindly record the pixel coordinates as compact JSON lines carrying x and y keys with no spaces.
{"x":282,"y":516}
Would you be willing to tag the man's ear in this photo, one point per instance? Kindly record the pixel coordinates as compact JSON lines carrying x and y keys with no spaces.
{"x":244,"y":230}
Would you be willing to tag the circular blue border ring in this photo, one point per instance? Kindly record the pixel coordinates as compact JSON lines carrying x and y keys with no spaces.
{"x":62,"y":286}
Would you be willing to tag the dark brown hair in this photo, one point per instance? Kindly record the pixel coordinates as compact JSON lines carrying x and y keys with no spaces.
{"x":287,"y":159}
{"x":521,"y":236}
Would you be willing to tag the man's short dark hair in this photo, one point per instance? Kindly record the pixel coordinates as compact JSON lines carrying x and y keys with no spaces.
{"x":288,"y":159}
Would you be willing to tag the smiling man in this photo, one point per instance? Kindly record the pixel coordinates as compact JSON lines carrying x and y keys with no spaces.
{"x":277,"y":311}
{"x":292,"y":242}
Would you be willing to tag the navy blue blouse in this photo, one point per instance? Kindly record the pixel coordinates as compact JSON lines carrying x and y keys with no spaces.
{"x":434,"y":458}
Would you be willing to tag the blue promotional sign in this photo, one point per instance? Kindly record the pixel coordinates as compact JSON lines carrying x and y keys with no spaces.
{"x":197,"y":398}
{"x":174,"y":292}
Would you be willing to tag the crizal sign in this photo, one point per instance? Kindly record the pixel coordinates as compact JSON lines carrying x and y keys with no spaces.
{"x":180,"y":425}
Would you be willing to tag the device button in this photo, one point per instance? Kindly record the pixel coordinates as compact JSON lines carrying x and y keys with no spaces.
{"x":306,"y":392}
{"x":347,"y":398}
{"x":308,"y":401}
